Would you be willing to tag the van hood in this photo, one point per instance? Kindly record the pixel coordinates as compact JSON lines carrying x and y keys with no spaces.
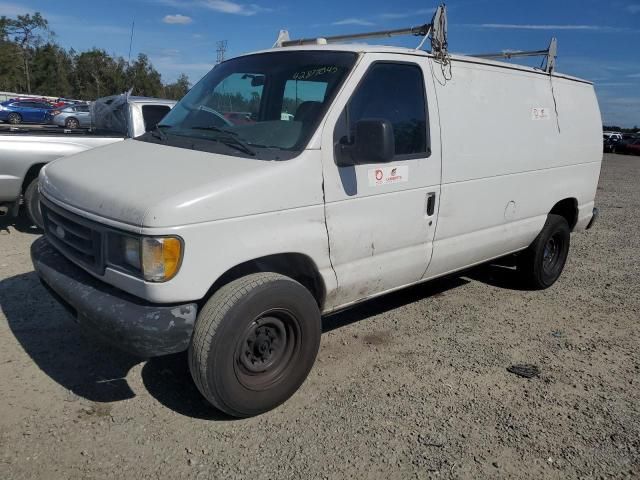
{"x":150,"y":185}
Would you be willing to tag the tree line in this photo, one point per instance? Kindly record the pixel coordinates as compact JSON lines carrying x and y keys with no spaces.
{"x":32,"y":62}
{"x":615,"y":128}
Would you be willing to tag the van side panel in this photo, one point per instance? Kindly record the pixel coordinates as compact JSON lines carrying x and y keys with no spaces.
{"x":508,"y":158}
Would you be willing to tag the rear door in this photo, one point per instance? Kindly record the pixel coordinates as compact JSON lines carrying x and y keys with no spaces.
{"x":381,"y":218}
{"x":83,"y":115}
{"x":35,"y":111}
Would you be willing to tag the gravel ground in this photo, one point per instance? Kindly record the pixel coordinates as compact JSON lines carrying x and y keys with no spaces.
{"x":412,"y":385}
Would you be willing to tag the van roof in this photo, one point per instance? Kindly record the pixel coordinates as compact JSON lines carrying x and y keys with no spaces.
{"x":367,"y":48}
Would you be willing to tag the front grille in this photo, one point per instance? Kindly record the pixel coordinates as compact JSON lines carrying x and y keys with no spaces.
{"x":77,"y":238}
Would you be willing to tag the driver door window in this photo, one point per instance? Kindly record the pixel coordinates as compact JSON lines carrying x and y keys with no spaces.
{"x":393,"y":92}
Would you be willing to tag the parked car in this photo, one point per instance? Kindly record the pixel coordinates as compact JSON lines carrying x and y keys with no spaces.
{"x":612,"y":135}
{"x":24,"y":152}
{"x":72,"y":116}
{"x":239,"y":118}
{"x":630,"y":147}
{"x":620,"y":146}
{"x":231,"y":242}
{"x":609,"y":143}
{"x":25,"y":111}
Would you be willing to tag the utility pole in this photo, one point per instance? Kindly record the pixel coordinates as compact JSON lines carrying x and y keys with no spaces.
{"x":221,"y":48}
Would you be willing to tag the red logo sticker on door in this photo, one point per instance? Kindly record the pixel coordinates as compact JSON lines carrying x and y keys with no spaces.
{"x":388,"y":175}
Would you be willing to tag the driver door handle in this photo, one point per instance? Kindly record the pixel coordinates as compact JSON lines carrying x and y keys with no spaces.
{"x":431,"y":203}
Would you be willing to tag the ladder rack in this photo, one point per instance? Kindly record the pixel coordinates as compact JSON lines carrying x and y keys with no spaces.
{"x":551,"y":53}
{"x":436,"y":31}
{"x":419,"y":31}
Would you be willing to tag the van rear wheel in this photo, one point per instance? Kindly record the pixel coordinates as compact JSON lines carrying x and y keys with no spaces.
{"x":542,"y":263}
{"x":254,"y":343}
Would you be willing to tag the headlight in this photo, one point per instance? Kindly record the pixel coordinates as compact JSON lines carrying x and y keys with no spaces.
{"x":156,"y":259}
{"x":160,"y":258}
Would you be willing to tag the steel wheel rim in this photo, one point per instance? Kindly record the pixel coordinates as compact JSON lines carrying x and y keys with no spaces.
{"x":13,"y":118}
{"x":266,"y":350}
{"x":552,"y":253}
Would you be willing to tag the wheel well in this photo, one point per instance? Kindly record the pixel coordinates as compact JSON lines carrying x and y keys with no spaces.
{"x":294,"y":265}
{"x":567,"y":208}
{"x":32,"y":173}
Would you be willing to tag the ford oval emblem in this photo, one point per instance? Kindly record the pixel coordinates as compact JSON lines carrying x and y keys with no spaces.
{"x":59,"y":232}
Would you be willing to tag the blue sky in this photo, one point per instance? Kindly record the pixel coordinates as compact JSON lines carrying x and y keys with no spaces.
{"x":598,"y":39}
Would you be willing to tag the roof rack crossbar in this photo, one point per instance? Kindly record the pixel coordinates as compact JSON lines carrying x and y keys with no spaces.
{"x":551,"y":53}
{"x":436,"y":30}
{"x":419,"y":31}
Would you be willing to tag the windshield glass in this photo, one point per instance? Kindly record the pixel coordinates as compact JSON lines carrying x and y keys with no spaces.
{"x":263,"y":105}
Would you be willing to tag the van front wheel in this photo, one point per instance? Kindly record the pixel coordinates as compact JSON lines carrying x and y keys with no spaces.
{"x":32,"y":203}
{"x":542,"y":263}
{"x":254,"y":343}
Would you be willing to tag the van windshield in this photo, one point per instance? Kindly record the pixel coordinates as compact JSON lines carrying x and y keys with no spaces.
{"x":264,"y":105}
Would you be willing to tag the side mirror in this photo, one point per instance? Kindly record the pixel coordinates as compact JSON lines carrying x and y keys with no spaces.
{"x":374,"y":142}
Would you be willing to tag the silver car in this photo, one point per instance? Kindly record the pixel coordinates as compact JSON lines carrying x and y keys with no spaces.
{"x":73,"y":116}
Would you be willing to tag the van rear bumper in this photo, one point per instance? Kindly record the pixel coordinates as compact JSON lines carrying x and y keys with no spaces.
{"x":130,"y":323}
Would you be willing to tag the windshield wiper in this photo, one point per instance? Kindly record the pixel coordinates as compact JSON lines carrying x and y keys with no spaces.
{"x":159,"y":134}
{"x":213,"y":128}
{"x":230,"y":139}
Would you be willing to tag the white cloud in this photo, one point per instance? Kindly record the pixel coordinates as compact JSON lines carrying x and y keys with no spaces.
{"x":227,"y":6}
{"x":13,"y":9}
{"x":177,"y":19}
{"x":353,"y":21}
{"x":614,"y":84}
{"x":635,"y":8}
{"x":398,"y":15}
{"x":592,"y":28}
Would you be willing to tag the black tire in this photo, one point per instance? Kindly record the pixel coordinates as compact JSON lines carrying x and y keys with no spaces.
{"x":254,"y":343}
{"x":72,"y":123}
{"x":14,"y":118}
{"x":32,"y":204}
{"x":542,"y":263}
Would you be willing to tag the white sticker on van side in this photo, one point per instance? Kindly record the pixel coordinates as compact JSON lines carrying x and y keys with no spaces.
{"x":388,"y":175}
{"x":539,"y":113}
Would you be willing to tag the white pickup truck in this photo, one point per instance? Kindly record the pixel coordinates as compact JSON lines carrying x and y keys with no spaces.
{"x":356,"y":171}
{"x":23,"y":152}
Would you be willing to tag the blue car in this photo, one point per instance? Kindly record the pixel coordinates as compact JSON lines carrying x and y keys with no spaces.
{"x":25,"y":111}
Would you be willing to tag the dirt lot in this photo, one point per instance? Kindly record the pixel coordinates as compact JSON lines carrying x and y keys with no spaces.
{"x":413,"y":385}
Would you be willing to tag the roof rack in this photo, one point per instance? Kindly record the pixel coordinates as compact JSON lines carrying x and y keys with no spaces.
{"x":550,"y":53}
{"x":419,"y":31}
{"x":436,"y":30}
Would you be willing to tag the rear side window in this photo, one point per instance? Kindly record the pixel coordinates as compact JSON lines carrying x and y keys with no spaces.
{"x":394,"y":92}
{"x":152,"y":114}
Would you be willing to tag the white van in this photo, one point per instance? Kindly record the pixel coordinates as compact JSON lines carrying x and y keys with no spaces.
{"x":231,"y":241}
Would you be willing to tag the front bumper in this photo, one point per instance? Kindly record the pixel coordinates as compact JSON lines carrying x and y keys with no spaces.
{"x":142,"y":328}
